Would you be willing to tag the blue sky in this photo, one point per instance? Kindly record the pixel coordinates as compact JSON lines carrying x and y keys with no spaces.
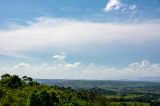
{"x":84,"y":9}
{"x":80,"y":35}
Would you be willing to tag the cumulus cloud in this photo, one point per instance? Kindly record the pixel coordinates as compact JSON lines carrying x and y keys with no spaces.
{"x":21,"y":65}
{"x":78,"y":70}
{"x":112,"y":5}
{"x":75,"y":65}
{"x":60,"y":56}
{"x":117,"y":5}
{"x":53,"y":33}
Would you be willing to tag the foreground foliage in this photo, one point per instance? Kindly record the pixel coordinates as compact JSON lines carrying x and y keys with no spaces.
{"x":15,"y":91}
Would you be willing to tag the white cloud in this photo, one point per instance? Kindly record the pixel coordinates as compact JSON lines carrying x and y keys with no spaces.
{"x":133,"y":7}
{"x":112,"y":5}
{"x":52,"y":33}
{"x":60,"y":56}
{"x":75,"y":65}
{"x":117,"y":5}
{"x":21,"y":65}
{"x":77,"y":70}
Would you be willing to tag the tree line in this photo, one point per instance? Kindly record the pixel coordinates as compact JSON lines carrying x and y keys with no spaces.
{"x":16,"y":91}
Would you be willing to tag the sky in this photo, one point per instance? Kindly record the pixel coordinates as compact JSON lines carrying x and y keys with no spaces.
{"x":80,"y":39}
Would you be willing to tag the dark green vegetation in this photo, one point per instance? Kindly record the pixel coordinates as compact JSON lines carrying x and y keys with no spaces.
{"x":16,"y":91}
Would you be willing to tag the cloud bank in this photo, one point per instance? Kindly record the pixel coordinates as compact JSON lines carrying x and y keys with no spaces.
{"x":53,"y":33}
{"x":77,"y":70}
